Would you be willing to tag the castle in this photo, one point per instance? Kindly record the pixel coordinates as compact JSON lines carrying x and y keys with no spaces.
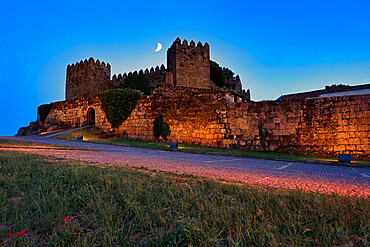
{"x":325,"y":122}
{"x":188,"y":65}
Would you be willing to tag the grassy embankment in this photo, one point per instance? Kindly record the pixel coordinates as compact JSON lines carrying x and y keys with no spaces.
{"x":92,"y":134}
{"x":111,"y":205}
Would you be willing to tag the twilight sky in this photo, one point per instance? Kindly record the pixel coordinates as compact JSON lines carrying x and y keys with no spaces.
{"x":277,"y":47}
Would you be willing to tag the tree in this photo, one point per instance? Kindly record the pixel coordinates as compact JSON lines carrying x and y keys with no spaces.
{"x":166,"y":130}
{"x":228,"y":73}
{"x":137,"y":81}
{"x":161,"y":127}
{"x":118,"y":104}
{"x":158,"y":125}
{"x":217,"y":75}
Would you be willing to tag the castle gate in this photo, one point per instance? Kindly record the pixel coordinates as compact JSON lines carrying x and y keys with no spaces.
{"x":91,"y":116}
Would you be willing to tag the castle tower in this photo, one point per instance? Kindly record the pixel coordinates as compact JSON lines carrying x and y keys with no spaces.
{"x":189,"y":64}
{"x":86,"y":78}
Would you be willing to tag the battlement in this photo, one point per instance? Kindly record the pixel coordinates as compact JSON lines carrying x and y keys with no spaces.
{"x":90,"y":62}
{"x":86,"y":78}
{"x":189,"y":64}
{"x":155,"y":76}
{"x":185,"y":45}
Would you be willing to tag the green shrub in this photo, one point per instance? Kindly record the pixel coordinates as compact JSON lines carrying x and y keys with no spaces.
{"x":228,"y":73}
{"x":44,"y":111}
{"x":166,"y":130}
{"x":158,"y":125}
{"x":217,"y":75}
{"x":118,"y":104}
{"x":137,"y":81}
{"x":161,"y":127}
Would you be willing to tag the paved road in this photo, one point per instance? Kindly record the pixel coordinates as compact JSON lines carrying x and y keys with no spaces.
{"x":312,"y":177}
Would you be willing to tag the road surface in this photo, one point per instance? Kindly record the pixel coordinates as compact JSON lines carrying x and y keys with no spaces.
{"x":292,"y":175}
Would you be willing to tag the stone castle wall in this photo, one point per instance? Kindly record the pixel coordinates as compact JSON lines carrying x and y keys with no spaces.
{"x":86,"y":78}
{"x":327,"y":126}
{"x":189,"y":64}
{"x":66,"y":112}
{"x":193,"y":115}
{"x":156,"y":76}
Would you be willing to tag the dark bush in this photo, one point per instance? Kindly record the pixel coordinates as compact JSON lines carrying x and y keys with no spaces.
{"x":228,"y":73}
{"x":137,"y":81}
{"x":166,"y":130}
{"x":217,"y":75}
{"x":44,"y":111}
{"x":161,"y":127}
{"x":118,"y":104}
{"x":158,"y":125}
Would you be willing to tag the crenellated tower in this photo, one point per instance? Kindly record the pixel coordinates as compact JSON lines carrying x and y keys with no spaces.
{"x":86,"y":78}
{"x":189,"y":64}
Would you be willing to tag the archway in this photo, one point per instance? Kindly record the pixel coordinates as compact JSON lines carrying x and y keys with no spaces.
{"x":91,"y":116}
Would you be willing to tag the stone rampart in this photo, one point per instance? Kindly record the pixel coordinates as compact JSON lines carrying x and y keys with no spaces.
{"x":87,"y":78}
{"x":189,"y":64}
{"x":325,"y":126}
{"x":66,"y":112}
{"x":156,"y":76}
{"x":193,"y":114}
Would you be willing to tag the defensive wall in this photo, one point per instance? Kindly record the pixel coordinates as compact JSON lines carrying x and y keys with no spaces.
{"x":325,"y":126}
{"x":188,"y":65}
{"x":86,"y":78}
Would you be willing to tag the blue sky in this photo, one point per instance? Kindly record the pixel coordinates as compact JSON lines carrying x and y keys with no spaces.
{"x":277,"y":47}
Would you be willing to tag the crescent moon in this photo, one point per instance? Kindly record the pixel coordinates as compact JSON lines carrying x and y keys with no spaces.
{"x":159,"y":47}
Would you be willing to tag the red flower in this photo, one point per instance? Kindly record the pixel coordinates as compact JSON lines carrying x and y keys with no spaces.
{"x":20,"y":233}
{"x":65,"y":219}
{"x":10,"y":234}
{"x":178,"y":180}
{"x":47,"y":239}
{"x":10,"y":162}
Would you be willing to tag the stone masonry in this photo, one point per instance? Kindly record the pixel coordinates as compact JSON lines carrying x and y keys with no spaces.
{"x":188,"y":65}
{"x":325,"y":126}
{"x":198,"y":114}
{"x":87,"y":78}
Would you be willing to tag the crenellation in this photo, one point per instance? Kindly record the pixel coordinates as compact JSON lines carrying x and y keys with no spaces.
{"x":86,"y":78}
{"x":190,"y":65}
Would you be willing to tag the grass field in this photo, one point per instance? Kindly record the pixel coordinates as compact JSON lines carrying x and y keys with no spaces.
{"x":91,"y":134}
{"x":78,"y":204}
